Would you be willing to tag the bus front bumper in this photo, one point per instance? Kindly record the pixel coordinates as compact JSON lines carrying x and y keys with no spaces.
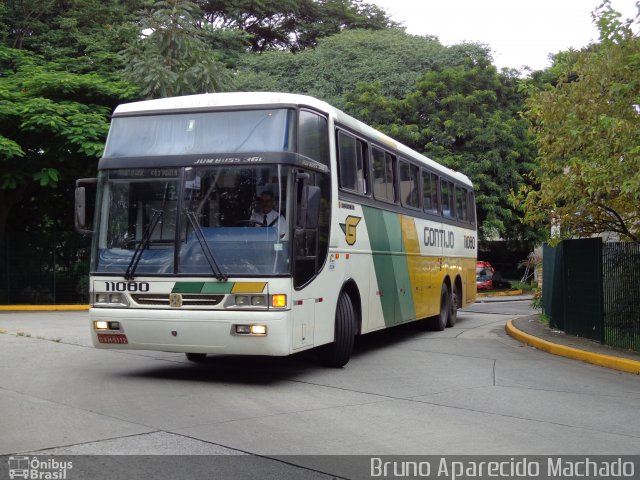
{"x":192,"y":331}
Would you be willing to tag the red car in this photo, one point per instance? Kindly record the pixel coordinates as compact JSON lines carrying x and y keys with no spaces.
{"x":484,"y":276}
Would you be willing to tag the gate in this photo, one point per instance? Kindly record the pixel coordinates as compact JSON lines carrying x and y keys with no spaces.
{"x":582,"y":280}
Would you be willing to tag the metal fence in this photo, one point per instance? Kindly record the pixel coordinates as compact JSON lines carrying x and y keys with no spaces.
{"x":592,"y":289}
{"x":44,"y":268}
{"x":621,"y":281}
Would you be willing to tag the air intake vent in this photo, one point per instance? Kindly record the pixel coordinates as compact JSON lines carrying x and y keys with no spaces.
{"x":188,"y":300}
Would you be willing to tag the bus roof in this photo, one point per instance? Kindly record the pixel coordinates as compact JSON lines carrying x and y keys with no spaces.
{"x":212,"y":101}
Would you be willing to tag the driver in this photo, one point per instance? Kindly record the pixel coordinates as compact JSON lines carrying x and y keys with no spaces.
{"x":266,"y":216}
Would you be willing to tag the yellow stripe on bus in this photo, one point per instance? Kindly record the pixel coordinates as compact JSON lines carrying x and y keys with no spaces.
{"x":248,"y":287}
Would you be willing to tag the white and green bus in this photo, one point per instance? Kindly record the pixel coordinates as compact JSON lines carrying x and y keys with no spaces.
{"x":269,"y":224}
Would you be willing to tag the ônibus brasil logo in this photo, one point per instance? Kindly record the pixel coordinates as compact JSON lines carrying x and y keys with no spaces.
{"x":38,"y":469}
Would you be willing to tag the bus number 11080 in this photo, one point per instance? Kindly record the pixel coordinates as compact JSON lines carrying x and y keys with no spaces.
{"x":126,"y":286}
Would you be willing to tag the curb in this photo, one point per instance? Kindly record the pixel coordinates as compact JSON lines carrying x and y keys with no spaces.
{"x":615,"y":363}
{"x":41,"y":308}
{"x":508,"y":293}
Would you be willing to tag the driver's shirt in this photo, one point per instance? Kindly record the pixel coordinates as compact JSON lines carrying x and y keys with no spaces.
{"x":272,"y":218}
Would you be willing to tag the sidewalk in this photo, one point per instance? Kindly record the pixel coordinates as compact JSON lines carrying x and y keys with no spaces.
{"x":531,"y":331}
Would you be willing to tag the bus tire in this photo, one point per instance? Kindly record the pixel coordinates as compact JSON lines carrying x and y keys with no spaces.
{"x":196,"y":357}
{"x":338,"y":353}
{"x":452,"y":316}
{"x":439,"y":322}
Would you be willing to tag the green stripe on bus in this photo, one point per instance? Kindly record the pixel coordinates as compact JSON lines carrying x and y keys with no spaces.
{"x":187,"y":287}
{"x":203,"y":287}
{"x":390,"y":264}
{"x":217,"y":287}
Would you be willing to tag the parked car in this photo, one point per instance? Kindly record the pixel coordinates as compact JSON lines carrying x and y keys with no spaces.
{"x":484,"y":276}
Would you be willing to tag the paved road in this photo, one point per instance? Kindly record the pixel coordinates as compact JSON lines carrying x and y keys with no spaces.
{"x":470,"y":389}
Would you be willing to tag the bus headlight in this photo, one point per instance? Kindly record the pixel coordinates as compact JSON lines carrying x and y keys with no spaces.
{"x":242,"y":301}
{"x":101,"y":299}
{"x":258,"y":301}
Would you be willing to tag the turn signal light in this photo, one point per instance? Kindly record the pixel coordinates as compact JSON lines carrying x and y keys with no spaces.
{"x":279,"y":300}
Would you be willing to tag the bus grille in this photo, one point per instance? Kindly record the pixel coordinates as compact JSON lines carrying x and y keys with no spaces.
{"x":188,"y":300}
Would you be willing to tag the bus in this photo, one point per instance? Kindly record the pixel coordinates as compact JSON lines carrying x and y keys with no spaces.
{"x":268,"y":224}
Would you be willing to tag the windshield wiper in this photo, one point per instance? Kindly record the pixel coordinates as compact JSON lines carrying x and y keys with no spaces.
{"x":208,"y":254}
{"x":144,"y":243}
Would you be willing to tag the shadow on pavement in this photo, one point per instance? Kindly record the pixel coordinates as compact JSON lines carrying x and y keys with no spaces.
{"x":264,"y":370}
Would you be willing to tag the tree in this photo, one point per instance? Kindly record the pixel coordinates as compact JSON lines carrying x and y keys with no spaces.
{"x":391,"y":57}
{"x":466,"y":117}
{"x":172,"y":56}
{"x":292,"y":24}
{"x":587,"y":129}
{"x":85,"y":35}
{"x":51,"y":122}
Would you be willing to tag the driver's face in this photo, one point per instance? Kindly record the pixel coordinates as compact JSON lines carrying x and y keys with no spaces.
{"x":266,"y":201}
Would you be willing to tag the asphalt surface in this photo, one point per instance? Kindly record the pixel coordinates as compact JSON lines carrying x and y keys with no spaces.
{"x":470,"y":389}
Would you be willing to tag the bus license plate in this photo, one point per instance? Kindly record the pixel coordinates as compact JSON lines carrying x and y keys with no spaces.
{"x":112,"y":338}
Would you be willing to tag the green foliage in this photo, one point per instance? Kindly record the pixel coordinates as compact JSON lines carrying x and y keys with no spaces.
{"x":173,"y":57}
{"x":292,"y":24}
{"x":51,"y":122}
{"x":587,"y":130}
{"x":391,"y":57}
{"x":84,"y":35}
{"x":466,"y":117}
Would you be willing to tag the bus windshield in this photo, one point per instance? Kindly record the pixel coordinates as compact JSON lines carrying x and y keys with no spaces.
{"x":205,"y":221}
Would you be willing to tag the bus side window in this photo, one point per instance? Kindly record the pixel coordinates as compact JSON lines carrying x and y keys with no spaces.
{"x":352,"y":163}
{"x":409,"y":184}
{"x":383,"y":176}
{"x":461,"y":204}
{"x":362,"y":167}
{"x":313,"y":137}
{"x":472,"y":207}
{"x":347,"y":160}
{"x":447,"y":198}
{"x":429,"y":192}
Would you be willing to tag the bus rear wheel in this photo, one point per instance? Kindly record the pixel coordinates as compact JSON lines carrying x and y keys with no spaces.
{"x":338,"y":353}
{"x":452,"y":316}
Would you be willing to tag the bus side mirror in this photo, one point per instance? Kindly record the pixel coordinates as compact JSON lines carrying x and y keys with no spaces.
{"x":80,"y":217}
{"x":309,"y":209}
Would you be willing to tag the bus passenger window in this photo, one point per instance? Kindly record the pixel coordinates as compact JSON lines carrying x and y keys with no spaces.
{"x":383,"y":176}
{"x":447,"y":198}
{"x":352,"y":163}
{"x":430,"y":192}
{"x":472,"y":207}
{"x":461,"y":204}
{"x":409,"y":185}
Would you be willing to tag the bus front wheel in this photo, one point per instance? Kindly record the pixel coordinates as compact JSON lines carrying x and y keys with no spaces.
{"x":338,"y":353}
